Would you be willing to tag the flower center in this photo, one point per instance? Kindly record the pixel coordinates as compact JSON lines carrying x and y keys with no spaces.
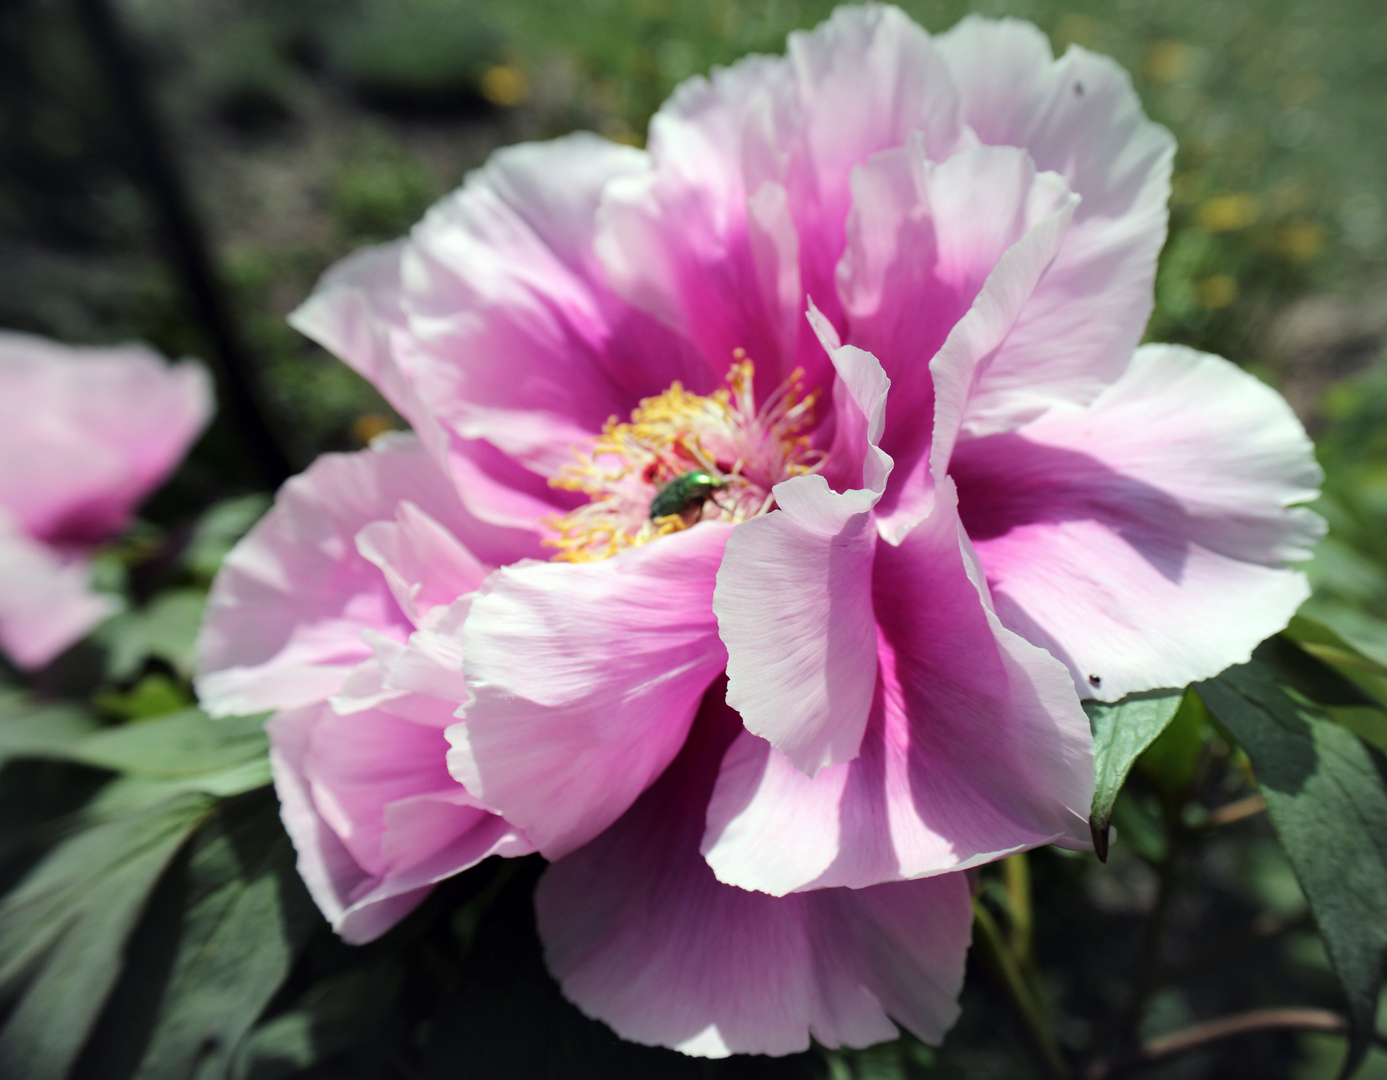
{"x":685,"y":458}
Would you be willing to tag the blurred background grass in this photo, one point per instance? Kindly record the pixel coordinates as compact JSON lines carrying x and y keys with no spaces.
{"x":306,"y":128}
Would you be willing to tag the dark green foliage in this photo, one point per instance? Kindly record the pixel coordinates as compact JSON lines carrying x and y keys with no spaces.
{"x":1326,"y":795}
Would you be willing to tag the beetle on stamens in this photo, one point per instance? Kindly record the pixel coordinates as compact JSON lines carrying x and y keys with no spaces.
{"x":684,"y":493}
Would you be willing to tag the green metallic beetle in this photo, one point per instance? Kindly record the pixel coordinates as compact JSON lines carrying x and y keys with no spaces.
{"x":683,"y":493}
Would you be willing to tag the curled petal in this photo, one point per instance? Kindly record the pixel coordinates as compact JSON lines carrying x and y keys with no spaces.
{"x":584,"y":680}
{"x":285,"y":617}
{"x":641,"y":936}
{"x":1080,"y":117}
{"x":793,"y":597}
{"x":942,"y":260}
{"x":1142,"y":539}
{"x":742,"y":214}
{"x":374,"y":816}
{"x":975,"y":746}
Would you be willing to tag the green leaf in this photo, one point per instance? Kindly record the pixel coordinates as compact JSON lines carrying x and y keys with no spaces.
{"x":1327,"y":800}
{"x":64,"y":930}
{"x":166,"y":629}
{"x":246,"y":917}
{"x":183,"y":744}
{"x":1121,"y":731}
{"x":186,"y":751}
{"x":335,"y":1016}
{"x":30,"y":729}
{"x":154,"y":695}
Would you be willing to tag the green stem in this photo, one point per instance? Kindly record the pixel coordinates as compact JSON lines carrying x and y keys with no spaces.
{"x":1019,"y":991}
{"x":1016,"y":874}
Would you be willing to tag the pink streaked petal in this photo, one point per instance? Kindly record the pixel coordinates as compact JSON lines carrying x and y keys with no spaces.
{"x":286,"y":613}
{"x":1078,"y":116}
{"x":1141,"y":539}
{"x":860,"y":387}
{"x":355,"y":313}
{"x":942,"y":260}
{"x":89,"y":432}
{"x":641,"y":936}
{"x":975,"y":747}
{"x":429,"y":670}
{"x":46,"y":602}
{"x":585,"y":678}
{"x":793,"y":597}
{"x":794,"y":608}
{"x":358,"y":786}
{"x":514,"y":337}
{"x":355,"y":765}
{"x":743,"y":213}
{"x":324,"y":862}
{"x":423,"y":563}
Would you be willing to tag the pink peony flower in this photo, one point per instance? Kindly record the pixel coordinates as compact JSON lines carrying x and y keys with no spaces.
{"x":87,"y":434}
{"x":829,"y":413}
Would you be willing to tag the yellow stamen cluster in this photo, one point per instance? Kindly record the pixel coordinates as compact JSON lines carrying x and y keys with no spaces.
{"x":746,"y":451}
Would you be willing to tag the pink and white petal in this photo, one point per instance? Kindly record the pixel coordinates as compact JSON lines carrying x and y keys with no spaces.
{"x":1142,"y":539}
{"x":428,"y":672}
{"x":860,"y":386}
{"x":473,"y":835}
{"x":98,"y":429}
{"x":514,"y":337}
{"x":695,"y":242}
{"x":46,"y":602}
{"x":1078,"y":116}
{"x":355,"y":313}
{"x":941,"y":261}
{"x":641,"y":936}
{"x":286,"y":613}
{"x":975,"y":747}
{"x":358,"y":764}
{"x":424,"y":564}
{"x":374,"y":816}
{"x":585,"y":678}
{"x":793,"y":596}
{"x":324,"y":862}
{"x":794,"y":608}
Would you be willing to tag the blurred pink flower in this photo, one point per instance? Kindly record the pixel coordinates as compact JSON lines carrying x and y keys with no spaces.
{"x":823,"y":589}
{"x":87,"y":434}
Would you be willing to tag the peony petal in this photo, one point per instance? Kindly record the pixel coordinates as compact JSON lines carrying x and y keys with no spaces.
{"x":513,"y":336}
{"x":585,"y":679}
{"x":1080,"y":117}
{"x":641,"y":936}
{"x":356,"y":765}
{"x":423,"y":563}
{"x":46,"y":602}
{"x":286,"y":613}
{"x":1140,"y":540}
{"x":743,"y":212}
{"x":794,"y":607}
{"x":793,"y":596}
{"x":942,"y":260}
{"x":975,"y":747}
{"x":373,"y":815}
{"x":89,"y":432}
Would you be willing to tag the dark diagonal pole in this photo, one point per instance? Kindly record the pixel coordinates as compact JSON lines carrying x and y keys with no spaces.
{"x":184,"y":243}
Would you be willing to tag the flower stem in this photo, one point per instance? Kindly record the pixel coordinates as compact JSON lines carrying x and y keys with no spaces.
{"x":1019,"y":991}
{"x":1200,"y":1035}
{"x":1016,"y":874}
